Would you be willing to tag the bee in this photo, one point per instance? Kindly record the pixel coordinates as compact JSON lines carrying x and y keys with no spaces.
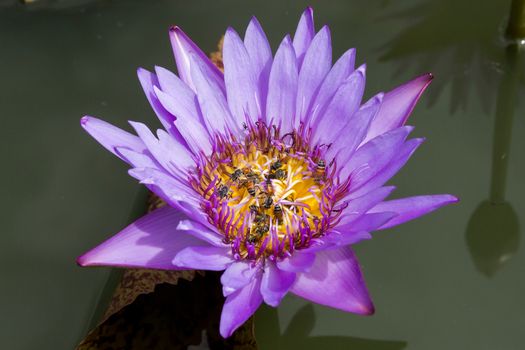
{"x":269,"y":178}
{"x":278,"y":211}
{"x":251,"y":188}
{"x":280,"y":174}
{"x":258,"y":233}
{"x":262,"y":229}
{"x":254,"y":209}
{"x":267,"y":200}
{"x":276,"y":165}
{"x":253,"y":177}
{"x":236,"y":175}
{"x":252,"y":238}
{"x":224,"y":191}
{"x":320,"y":169}
{"x":260,"y":218}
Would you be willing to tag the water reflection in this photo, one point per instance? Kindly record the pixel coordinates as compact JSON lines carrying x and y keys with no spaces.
{"x":493,"y":232}
{"x":516,"y":26}
{"x":459,"y":40}
{"x":297,"y":334}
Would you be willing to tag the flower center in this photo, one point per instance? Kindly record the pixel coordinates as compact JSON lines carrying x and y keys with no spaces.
{"x":268,"y":194}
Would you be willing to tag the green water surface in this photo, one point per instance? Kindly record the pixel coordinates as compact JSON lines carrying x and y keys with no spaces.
{"x":452,"y":280}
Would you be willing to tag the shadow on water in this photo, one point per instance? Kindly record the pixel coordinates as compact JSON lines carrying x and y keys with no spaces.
{"x":459,"y":40}
{"x":463,"y":43}
{"x":297,"y":334}
{"x":493,"y":232}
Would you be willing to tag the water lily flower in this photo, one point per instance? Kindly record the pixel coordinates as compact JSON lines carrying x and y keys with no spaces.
{"x":271,"y":170}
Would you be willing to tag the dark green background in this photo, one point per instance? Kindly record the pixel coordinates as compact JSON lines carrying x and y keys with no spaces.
{"x":434,"y":285}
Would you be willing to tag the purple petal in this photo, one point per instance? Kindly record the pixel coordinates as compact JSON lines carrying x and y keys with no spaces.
{"x":173,"y":191}
{"x":150,"y":242}
{"x":212,"y":101}
{"x":335,"y":280}
{"x":172,"y":85}
{"x":275,"y":284}
{"x":240,"y":78}
{"x":169,"y":188}
{"x":189,"y":120}
{"x":337,"y":239}
{"x":201,"y":232}
{"x":367,"y":222}
{"x":304,"y":34}
{"x":317,"y":63}
{"x":283,"y":85}
{"x":239,"y":306}
{"x":337,"y":75}
{"x":360,"y":205}
{"x":260,"y":54}
{"x":344,"y":104}
{"x":112,"y":137}
{"x":373,"y":156}
{"x":397,"y":106}
{"x":298,"y":262}
{"x":173,"y":156}
{"x":183,"y":49}
{"x":238,"y":275}
{"x":204,"y":258}
{"x":380,"y":178}
{"x":149,"y":81}
{"x":348,"y":138}
{"x":412,"y":207}
{"x":137,"y":160}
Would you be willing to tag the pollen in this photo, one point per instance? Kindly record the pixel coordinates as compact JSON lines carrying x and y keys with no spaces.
{"x":268,"y":193}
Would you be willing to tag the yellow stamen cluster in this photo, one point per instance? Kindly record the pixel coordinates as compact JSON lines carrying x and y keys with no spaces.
{"x":263,"y":193}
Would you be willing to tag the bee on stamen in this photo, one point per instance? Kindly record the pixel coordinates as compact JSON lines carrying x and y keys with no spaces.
{"x":269,"y":178}
{"x":258,"y":233}
{"x":278,"y":211}
{"x":251,"y":188}
{"x":280,"y":174}
{"x":236,"y":175}
{"x":260,"y":218}
{"x":320,"y":170}
{"x":276,"y":165}
{"x":224,"y":191}
{"x":267,"y":200}
{"x":253,"y":177}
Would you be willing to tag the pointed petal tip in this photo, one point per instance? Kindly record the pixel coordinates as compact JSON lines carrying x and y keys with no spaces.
{"x":81,"y":261}
{"x":409,"y":128}
{"x":367,"y":309}
{"x":230,"y":30}
{"x":325,"y":30}
{"x":454,"y":199}
{"x":423,"y":80}
{"x":309,"y":10}
{"x":226,"y":332}
{"x":89,"y":259}
{"x":84,"y":120}
{"x":175,"y":29}
{"x":254,"y":21}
